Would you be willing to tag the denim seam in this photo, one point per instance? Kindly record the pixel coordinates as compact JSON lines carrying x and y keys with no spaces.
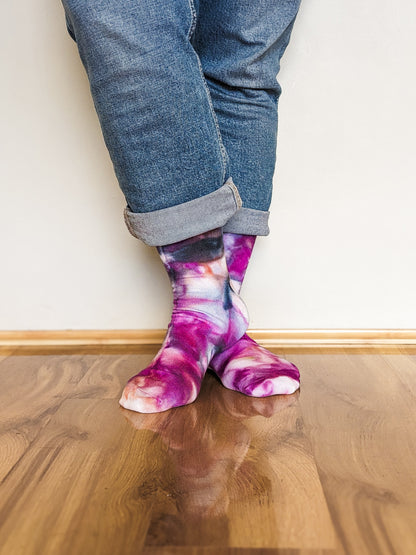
{"x":223,"y":151}
{"x":214,"y":117}
{"x":237,"y":197}
{"x":193,"y":19}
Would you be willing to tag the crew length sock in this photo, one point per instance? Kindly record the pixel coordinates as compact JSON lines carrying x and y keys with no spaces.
{"x":246,"y":366}
{"x":208,"y":316}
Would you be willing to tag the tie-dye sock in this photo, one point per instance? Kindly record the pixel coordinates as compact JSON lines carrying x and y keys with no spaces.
{"x":208,"y":316}
{"x":246,"y":366}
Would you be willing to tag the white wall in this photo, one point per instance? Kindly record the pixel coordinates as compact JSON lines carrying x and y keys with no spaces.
{"x":341,"y":253}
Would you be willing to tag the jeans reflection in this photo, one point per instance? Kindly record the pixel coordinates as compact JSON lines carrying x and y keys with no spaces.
{"x":210,"y":462}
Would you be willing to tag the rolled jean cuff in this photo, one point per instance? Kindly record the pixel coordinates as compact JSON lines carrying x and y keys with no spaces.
{"x":169,"y":225}
{"x":248,"y":221}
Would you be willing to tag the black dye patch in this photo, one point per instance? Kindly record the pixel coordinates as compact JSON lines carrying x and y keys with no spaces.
{"x":227,"y":301}
{"x":204,"y":250}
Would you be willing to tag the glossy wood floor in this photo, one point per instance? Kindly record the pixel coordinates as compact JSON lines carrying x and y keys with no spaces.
{"x":328,"y":470}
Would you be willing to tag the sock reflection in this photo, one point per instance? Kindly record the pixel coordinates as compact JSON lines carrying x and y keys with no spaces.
{"x":211,"y":462}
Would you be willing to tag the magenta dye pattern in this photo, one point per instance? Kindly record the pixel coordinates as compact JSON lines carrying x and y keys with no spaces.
{"x":208,"y":316}
{"x":246,"y":366}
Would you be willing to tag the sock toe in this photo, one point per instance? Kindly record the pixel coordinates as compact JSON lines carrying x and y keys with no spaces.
{"x":279,"y":385}
{"x":253,"y":370}
{"x":157,"y":390}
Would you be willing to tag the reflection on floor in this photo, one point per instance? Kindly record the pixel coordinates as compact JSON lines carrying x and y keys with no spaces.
{"x":329,"y":469}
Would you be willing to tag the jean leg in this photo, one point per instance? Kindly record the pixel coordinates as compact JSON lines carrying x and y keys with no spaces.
{"x":240,"y":44}
{"x":156,"y":115}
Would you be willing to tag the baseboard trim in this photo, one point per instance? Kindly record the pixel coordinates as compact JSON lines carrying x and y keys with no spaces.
{"x":266,"y":337}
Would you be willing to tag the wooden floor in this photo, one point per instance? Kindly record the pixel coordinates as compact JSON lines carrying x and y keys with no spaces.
{"x":328,"y":470}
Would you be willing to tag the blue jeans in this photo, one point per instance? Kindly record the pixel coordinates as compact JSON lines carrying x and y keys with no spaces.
{"x":186,"y":94}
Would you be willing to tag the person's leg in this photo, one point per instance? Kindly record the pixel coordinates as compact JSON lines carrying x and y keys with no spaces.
{"x":162,"y":134}
{"x":240,"y":45}
{"x":156,"y":115}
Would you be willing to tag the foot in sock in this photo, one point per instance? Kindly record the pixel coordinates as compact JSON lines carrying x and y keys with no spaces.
{"x":246,"y":366}
{"x":208,"y":316}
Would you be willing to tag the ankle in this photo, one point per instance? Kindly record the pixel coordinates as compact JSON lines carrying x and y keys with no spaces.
{"x":225,"y":311}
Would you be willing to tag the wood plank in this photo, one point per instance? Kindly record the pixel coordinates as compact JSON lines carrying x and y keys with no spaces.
{"x":360,"y":420}
{"x":292,"y":512}
{"x":32,"y":389}
{"x":108,"y":374}
{"x":102,"y":479}
{"x":327,"y":470}
{"x":78,"y":489}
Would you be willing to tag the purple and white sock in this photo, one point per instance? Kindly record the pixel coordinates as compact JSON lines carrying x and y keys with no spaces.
{"x":207,"y":317}
{"x":246,"y":366}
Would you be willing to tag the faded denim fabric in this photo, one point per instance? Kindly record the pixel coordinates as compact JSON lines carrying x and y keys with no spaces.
{"x":186,"y":94}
